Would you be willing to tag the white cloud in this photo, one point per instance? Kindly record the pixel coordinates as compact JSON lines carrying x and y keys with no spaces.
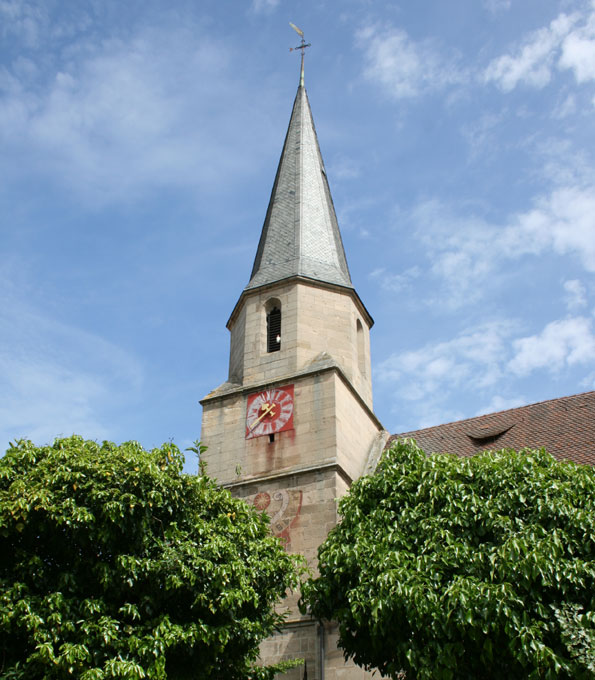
{"x":120,"y":117}
{"x":566,"y":108}
{"x":567,"y":43}
{"x":259,"y":6}
{"x":474,"y":359}
{"x":402,"y":67}
{"x":564,"y":163}
{"x":460,"y":250}
{"x":395,"y":283}
{"x":564,"y":221}
{"x":466,"y":251}
{"x":576,"y":294}
{"x":23,"y":19}
{"x":499,"y":403}
{"x":427,"y":414}
{"x":578,"y":51}
{"x":343,"y":167}
{"x":497,"y":5}
{"x":486,"y":363}
{"x":533,"y":62}
{"x":560,"y":344}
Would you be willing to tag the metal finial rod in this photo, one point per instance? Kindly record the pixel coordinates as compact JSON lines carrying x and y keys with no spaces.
{"x":302,"y":46}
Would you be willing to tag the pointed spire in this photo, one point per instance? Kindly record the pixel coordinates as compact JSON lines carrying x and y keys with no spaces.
{"x":300,"y":235}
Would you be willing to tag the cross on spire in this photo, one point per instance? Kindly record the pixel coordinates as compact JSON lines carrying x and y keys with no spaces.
{"x":302,"y":46}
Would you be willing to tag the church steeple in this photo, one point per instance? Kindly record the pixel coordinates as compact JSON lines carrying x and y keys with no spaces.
{"x":300,"y":292}
{"x":293,"y":424}
{"x":300,"y":235}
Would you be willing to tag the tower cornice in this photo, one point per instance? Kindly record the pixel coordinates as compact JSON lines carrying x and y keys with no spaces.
{"x":229,"y":389}
{"x":305,"y":280}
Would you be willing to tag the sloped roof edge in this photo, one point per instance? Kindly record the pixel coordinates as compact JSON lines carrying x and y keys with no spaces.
{"x":564,"y":426}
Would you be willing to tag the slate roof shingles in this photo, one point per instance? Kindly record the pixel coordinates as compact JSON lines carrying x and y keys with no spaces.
{"x":300,"y":235}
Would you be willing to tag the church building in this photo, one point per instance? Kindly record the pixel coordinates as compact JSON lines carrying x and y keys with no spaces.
{"x":293,"y":425}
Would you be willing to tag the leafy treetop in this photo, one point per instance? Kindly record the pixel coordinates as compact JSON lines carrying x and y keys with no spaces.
{"x":114,"y":564}
{"x":449,"y":568}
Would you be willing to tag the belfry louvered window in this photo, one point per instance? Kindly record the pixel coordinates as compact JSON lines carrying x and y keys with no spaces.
{"x":274,"y":330}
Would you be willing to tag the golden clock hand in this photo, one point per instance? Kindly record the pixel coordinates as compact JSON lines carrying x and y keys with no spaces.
{"x":266,"y":408}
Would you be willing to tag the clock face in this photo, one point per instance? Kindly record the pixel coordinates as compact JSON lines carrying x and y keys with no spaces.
{"x":269,"y":411}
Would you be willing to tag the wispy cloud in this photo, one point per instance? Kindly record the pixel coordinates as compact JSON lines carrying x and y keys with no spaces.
{"x":576,"y":294}
{"x":403,"y":67}
{"x":23,"y":19}
{"x":567,"y":43}
{"x":465,"y":251}
{"x":260,"y":6}
{"x":564,"y":222}
{"x":497,"y":5}
{"x":578,"y":50}
{"x":56,"y":378}
{"x":565,"y":108}
{"x":560,"y":344}
{"x":499,"y":403}
{"x":474,"y":358}
{"x":396,"y":283}
{"x":343,"y":167}
{"x":42,"y":399}
{"x":406,"y":68}
{"x":115,"y":118}
{"x":480,"y":134}
{"x":488,"y":363}
{"x":533,"y":62}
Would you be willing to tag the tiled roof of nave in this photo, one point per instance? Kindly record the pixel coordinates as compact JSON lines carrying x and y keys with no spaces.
{"x":565,"y":427}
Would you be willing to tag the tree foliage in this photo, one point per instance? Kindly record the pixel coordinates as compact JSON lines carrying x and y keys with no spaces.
{"x":114,"y":564}
{"x":448,"y":568}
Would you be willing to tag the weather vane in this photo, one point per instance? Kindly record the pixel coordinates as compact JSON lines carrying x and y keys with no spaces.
{"x":300,"y":47}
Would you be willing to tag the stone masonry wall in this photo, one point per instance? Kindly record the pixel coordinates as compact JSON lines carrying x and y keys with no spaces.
{"x":314,"y":321}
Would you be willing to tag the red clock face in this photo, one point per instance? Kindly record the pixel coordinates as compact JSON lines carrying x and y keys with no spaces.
{"x":269,"y":411}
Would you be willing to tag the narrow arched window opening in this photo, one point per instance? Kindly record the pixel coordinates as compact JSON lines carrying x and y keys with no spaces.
{"x":274,"y":330}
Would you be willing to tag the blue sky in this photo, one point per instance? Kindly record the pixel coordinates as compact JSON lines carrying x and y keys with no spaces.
{"x":138,"y":147}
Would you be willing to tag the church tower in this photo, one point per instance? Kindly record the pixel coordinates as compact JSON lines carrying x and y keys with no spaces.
{"x":293,"y":425}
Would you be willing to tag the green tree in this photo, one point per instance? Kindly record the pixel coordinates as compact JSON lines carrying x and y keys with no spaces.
{"x":449,"y":568}
{"x":114,"y":564}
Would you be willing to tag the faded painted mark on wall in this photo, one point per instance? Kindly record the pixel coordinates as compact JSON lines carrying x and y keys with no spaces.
{"x":283,"y":507}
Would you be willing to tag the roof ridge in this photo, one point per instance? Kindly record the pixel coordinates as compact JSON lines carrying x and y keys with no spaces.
{"x":495,"y":413}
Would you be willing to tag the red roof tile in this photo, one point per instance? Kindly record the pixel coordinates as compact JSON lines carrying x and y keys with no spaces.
{"x":565,"y":427}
